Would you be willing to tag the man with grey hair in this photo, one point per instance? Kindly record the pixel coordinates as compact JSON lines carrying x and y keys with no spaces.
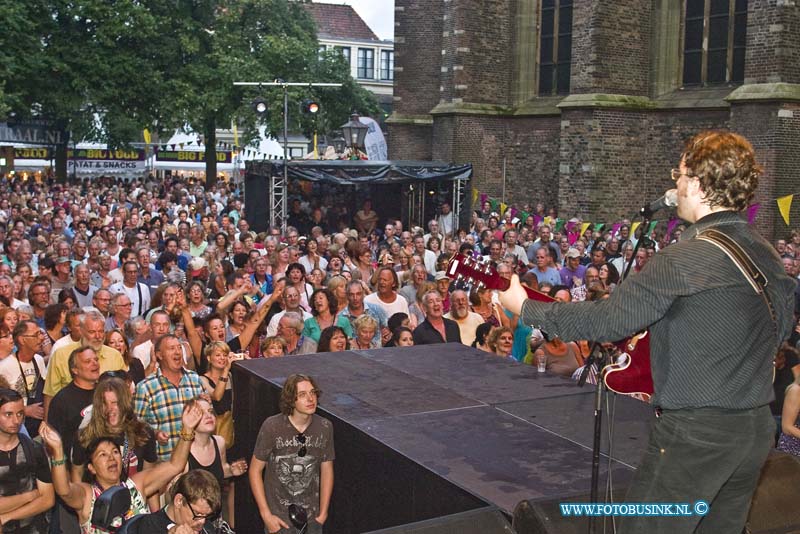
{"x":467,"y":320}
{"x":356,"y":308}
{"x":290,"y":328}
{"x":7,"y":292}
{"x":119,"y":312}
{"x":92,"y":335}
{"x":435,"y":328}
{"x":291,"y":303}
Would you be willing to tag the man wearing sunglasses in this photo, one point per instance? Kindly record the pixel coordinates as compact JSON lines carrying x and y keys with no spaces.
{"x":293,"y":461}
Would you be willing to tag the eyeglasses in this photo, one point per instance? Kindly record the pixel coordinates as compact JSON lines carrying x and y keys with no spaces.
{"x":303,"y":395}
{"x":37,"y":334}
{"x":301,"y":439}
{"x":676,"y":174}
{"x":205,"y":517}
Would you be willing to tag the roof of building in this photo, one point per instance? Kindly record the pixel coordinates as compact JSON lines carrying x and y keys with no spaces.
{"x":336,"y":21}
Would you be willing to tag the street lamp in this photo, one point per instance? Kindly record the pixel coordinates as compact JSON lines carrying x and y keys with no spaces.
{"x":354,"y":132}
{"x":339,"y":144}
{"x":278,"y":199}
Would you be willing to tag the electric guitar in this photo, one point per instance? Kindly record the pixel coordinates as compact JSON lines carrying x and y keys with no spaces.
{"x":629,"y":374}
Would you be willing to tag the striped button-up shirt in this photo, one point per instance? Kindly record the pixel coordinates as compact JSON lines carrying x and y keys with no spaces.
{"x":159,"y":403}
{"x":712,"y":337}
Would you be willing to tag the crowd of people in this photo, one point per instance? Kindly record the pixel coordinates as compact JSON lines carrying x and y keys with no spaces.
{"x":124,"y":304}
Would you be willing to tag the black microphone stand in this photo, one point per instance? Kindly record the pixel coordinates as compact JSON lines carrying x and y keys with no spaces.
{"x":599,"y":359}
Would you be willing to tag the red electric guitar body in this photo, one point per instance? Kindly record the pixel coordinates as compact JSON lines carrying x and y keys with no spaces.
{"x":629,"y":374}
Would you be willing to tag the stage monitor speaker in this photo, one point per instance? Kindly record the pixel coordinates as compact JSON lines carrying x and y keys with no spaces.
{"x":489,"y":520}
{"x":775,"y":506}
{"x":544,"y":517}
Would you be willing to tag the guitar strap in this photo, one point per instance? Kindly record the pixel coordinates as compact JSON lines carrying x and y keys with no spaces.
{"x":755,"y":277}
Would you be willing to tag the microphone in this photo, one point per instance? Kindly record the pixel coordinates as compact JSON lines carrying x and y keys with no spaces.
{"x":668,"y":200}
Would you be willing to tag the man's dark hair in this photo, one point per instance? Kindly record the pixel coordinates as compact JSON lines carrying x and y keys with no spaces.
{"x":160,"y":341}
{"x":167,"y":257}
{"x":394,"y":276}
{"x":465,"y":249}
{"x":9,"y":395}
{"x":198,"y":484}
{"x":52,"y":315}
{"x":47,"y":263}
{"x":125,"y":252}
{"x":73,"y":357}
{"x":240,"y":259}
{"x":396,"y":320}
{"x":289,"y":392}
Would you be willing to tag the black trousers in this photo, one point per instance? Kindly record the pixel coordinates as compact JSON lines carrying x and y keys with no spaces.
{"x":704,"y":454}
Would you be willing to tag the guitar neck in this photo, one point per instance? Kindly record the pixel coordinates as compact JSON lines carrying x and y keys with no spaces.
{"x":481,"y":273}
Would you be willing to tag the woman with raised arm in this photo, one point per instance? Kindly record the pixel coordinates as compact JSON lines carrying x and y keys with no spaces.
{"x":105,"y":466}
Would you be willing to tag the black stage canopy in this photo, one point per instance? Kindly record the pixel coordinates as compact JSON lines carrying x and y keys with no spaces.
{"x":345,"y":172}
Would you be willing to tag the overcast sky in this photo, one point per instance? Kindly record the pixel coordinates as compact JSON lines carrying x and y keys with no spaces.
{"x":378,"y":14}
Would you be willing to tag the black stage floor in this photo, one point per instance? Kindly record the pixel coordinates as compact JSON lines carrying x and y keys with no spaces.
{"x":492,"y":430}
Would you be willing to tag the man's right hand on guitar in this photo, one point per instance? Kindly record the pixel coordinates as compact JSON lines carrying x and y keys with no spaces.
{"x":513,"y":297}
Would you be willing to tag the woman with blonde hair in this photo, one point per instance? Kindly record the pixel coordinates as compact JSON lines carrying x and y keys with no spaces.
{"x":217,"y":384}
{"x":208,"y":451}
{"x":338,"y":286}
{"x":364,"y":329}
{"x":501,"y":341}
{"x":273,"y":347}
{"x":280,"y":260}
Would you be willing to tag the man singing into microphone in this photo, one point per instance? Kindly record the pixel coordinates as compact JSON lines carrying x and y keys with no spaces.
{"x":713,"y":338}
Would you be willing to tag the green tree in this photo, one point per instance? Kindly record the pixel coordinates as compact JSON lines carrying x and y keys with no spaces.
{"x":107,"y":70}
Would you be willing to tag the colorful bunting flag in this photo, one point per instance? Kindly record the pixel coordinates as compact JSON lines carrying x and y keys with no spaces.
{"x":584,"y":227}
{"x":752,"y":213}
{"x":634,"y":227}
{"x":784,"y":206}
{"x":673,"y":222}
{"x":503,"y":207}
{"x":652,"y":227}
{"x":559,"y":225}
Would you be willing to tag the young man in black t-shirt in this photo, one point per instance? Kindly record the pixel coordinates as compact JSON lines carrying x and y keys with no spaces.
{"x":24,"y":472}
{"x":293,"y":460}
{"x":68,"y":406}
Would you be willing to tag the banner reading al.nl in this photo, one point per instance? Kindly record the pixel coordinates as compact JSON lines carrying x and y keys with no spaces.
{"x":102,"y":160}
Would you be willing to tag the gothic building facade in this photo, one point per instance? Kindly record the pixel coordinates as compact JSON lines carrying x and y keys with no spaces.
{"x":585,"y":104}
